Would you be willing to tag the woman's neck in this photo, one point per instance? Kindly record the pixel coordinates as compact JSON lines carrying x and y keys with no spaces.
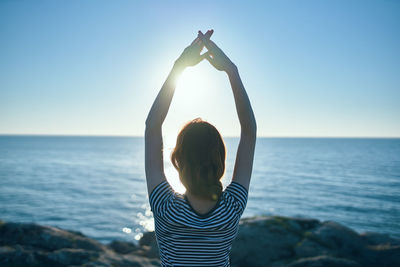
{"x":201,"y":205}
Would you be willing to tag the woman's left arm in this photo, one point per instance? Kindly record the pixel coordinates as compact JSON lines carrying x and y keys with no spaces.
{"x":153,"y":134}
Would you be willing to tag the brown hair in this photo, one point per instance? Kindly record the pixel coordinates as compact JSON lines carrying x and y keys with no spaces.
{"x":199,"y":157}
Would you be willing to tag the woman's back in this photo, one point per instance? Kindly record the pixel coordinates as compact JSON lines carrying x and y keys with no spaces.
{"x":186,"y":238}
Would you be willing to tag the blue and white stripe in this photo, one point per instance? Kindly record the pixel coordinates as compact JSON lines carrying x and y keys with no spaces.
{"x":186,"y":238}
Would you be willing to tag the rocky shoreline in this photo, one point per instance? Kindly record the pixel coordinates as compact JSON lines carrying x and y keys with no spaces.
{"x":262,"y":241}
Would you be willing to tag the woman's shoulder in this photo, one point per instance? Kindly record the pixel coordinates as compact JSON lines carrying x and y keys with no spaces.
{"x":235,"y":187}
{"x":236,"y":194}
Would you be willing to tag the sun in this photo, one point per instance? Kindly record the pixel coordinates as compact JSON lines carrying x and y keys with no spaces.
{"x":195,"y":87}
{"x":191,"y":78}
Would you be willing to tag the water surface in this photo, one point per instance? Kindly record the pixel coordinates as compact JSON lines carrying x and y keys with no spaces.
{"x":96,"y":185}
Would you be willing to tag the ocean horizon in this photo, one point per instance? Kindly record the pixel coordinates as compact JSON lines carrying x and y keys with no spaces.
{"x":96,"y":184}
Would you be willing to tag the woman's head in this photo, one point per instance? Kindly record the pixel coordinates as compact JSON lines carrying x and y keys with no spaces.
{"x":199,"y":157}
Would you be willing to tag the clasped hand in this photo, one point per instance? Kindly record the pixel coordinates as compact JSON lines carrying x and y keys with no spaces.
{"x":191,"y":55}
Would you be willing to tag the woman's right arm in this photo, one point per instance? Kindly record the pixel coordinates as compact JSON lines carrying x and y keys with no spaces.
{"x":248,"y":131}
{"x":245,"y":153}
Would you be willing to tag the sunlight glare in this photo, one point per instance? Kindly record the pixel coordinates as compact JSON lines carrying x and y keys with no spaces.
{"x":173,"y":178}
{"x":191,"y":78}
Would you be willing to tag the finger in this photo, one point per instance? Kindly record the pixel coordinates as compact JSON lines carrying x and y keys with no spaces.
{"x":213,"y":47}
{"x":212,"y":44}
{"x":195,"y":41}
{"x":198,"y":42}
{"x":208,"y":56}
{"x":204,"y":40}
{"x":211,"y":60}
{"x":208,"y":34}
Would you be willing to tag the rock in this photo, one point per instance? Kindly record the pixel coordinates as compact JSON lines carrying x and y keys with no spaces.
{"x":19,"y":256}
{"x":377,"y":239}
{"x":282,"y":241}
{"x":381,"y":255}
{"x":123,"y":247}
{"x":262,"y":241}
{"x":44,"y":237}
{"x":27,"y":244}
{"x":148,"y":239}
{"x":72,"y":256}
{"x":308,"y":248}
{"x":323,"y":261}
{"x":149,"y":244}
{"x":304,"y":223}
{"x":339,"y":238}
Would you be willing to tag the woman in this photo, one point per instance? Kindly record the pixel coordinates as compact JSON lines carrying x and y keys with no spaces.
{"x":198,"y":228}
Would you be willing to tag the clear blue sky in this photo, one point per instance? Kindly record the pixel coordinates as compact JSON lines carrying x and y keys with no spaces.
{"x":311,"y":68}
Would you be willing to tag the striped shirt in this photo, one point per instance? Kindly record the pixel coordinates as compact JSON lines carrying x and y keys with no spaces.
{"x":186,"y":238}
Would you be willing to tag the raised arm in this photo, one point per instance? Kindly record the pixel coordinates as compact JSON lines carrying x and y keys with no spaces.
{"x":153,"y":134}
{"x":245,"y":153}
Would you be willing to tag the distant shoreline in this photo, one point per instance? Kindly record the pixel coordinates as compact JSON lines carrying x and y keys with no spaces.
{"x":233,"y":137}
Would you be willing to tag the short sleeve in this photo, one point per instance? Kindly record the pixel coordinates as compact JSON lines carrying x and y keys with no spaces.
{"x":239,"y":194}
{"x":159,"y":197}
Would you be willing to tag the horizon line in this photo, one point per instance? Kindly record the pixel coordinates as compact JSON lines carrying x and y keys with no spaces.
{"x":227,"y":136}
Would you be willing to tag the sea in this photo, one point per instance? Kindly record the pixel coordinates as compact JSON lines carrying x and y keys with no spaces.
{"x":96,"y":185}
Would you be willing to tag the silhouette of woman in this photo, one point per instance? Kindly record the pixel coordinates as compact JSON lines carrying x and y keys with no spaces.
{"x":197,"y":228}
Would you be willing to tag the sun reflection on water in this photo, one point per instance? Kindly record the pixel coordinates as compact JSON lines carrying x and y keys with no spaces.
{"x":126,"y":230}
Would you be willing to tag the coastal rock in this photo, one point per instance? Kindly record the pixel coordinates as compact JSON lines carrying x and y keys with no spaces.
{"x":323,"y":261}
{"x":122,"y":247}
{"x":262,"y":241}
{"x":375,"y":239}
{"x":283,"y":241}
{"x":308,"y":248}
{"x":27,"y":244}
{"x":149,"y":245}
{"x":72,"y":256}
{"x":44,"y":237}
{"x":338,"y":237}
